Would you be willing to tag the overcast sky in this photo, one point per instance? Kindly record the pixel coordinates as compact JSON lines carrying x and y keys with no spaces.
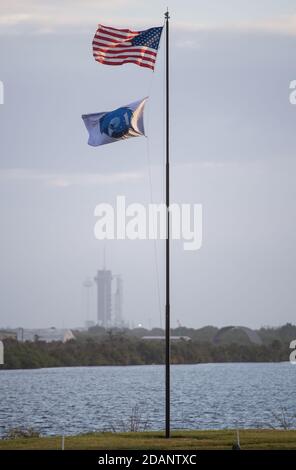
{"x":232,"y":150}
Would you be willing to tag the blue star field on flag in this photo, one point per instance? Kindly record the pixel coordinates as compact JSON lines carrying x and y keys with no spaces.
{"x":149,"y":38}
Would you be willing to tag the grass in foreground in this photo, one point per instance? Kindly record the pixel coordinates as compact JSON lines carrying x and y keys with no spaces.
{"x":195,"y":440}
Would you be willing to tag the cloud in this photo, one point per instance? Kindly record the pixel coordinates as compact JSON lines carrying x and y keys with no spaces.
{"x":50,"y":17}
{"x":64,"y":180}
{"x":188,"y":44}
{"x":284,"y":25}
{"x":15,"y":19}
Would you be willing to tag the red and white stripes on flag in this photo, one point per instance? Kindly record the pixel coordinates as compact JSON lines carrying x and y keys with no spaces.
{"x":114,"y":46}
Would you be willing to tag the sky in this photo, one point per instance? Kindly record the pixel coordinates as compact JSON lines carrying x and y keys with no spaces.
{"x":232,"y":150}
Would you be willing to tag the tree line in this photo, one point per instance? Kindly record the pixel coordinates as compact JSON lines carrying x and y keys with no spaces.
{"x":122,"y":349}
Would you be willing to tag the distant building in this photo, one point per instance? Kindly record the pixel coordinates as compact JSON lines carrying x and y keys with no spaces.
{"x":109,"y":299}
{"x":162,"y":338}
{"x":44,"y":334}
{"x":229,"y":333}
{"x":1,"y":353}
{"x":103,"y":280}
{"x":7,"y":334}
{"x":118,"y":319}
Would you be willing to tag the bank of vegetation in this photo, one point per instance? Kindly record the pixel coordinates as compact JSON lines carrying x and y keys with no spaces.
{"x":126,"y":347}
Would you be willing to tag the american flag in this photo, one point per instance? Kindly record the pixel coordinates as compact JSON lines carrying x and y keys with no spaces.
{"x":113,"y":46}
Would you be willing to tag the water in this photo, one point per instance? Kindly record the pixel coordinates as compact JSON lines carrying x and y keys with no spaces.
{"x":206,"y":396}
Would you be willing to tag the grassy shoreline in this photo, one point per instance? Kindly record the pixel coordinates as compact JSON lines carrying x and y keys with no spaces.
{"x":257,"y":439}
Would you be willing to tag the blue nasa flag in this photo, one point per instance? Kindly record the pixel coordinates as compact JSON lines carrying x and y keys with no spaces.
{"x":122,"y":123}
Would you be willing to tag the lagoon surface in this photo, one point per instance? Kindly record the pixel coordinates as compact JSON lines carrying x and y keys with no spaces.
{"x":76,"y":400}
